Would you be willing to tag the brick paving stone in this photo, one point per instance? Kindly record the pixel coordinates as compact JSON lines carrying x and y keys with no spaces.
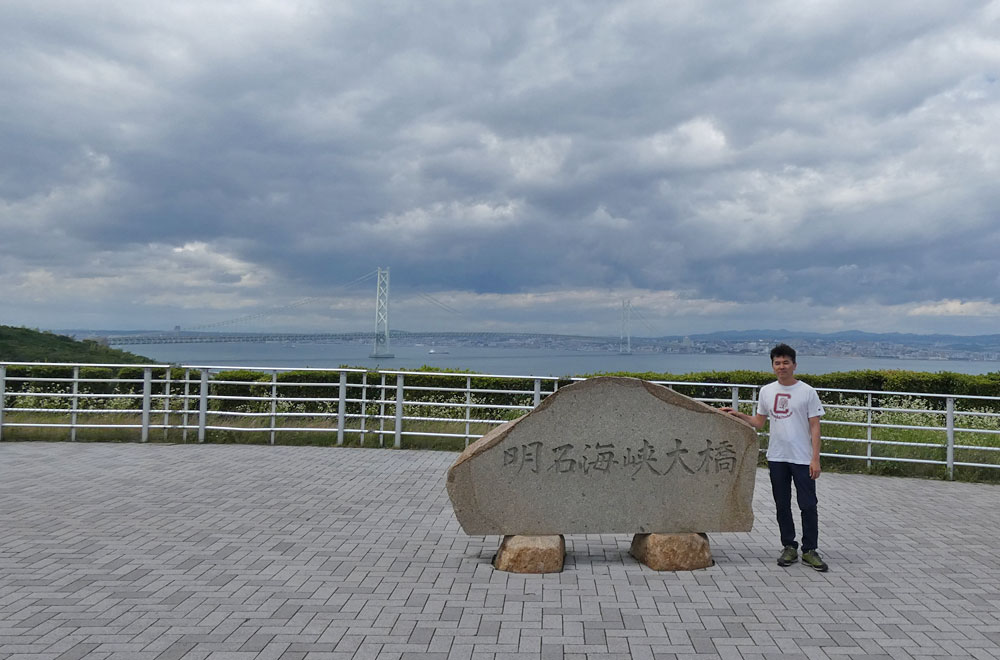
{"x":229,"y":552}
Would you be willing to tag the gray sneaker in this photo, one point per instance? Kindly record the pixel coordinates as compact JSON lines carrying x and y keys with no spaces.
{"x":788,"y":556}
{"x":812,"y":558}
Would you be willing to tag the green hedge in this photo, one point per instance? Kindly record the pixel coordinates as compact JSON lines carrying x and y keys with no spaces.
{"x":892,"y":380}
{"x":257,"y":384}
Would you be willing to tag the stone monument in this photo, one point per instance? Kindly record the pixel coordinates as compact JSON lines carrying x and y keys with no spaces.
{"x":611,"y":455}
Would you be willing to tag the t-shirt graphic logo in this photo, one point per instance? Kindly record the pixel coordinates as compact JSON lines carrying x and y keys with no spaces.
{"x":781,"y":409}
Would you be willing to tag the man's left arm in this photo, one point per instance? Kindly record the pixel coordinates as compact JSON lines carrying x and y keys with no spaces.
{"x":814,"y":433}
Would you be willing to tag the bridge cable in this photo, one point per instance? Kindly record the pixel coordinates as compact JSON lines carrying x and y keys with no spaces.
{"x":445,"y":306}
{"x":645,"y":322}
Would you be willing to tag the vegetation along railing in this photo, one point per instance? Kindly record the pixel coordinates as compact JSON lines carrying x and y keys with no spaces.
{"x":919,"y":434}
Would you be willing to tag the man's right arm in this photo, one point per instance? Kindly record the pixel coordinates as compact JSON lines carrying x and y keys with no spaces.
{"x":756,"y":421}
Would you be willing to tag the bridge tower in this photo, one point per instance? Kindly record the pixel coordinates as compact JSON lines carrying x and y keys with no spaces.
{"x":625,"y":343}
{"x":382,"y":316}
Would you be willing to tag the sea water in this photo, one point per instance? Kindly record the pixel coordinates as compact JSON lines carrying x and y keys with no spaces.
{"x":516,"y":361}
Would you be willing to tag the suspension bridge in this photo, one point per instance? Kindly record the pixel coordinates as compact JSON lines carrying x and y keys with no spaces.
{"x":381,"y":338}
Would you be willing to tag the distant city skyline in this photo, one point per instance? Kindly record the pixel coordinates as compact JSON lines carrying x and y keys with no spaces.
{"x":519,"y":166}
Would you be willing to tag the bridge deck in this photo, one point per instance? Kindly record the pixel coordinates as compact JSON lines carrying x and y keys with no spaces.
{"x":250,"y":552}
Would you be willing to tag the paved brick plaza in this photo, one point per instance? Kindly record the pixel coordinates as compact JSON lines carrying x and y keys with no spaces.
{"x":252,"y":553}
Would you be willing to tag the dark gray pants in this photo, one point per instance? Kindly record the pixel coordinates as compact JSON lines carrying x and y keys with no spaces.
{"x":782,"y":477}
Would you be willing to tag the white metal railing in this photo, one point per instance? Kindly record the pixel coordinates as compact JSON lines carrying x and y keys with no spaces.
{"x":201,"y":402}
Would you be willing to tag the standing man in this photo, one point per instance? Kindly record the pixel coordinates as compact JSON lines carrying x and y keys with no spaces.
{"x":794,"y":409}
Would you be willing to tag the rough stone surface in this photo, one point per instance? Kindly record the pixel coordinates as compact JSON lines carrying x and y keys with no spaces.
{"x":609,"y":455}
{"x":531,"y":554}
{"x":672,"y":552}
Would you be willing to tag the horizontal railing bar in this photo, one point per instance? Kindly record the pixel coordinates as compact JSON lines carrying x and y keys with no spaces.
{"x":877,"y":409}
{"x":435,"y":434}
{"x":968,"y":413}
{"x":269,"y":383}
{"x":105,"y":411}
{"x":210,"y":427}
{"x":675,"y":383}
{"x":85,"y":364}
{"x":280,"y":399}
{"x":70,"y":395}
{"x":452,"y":404}
{"x":897,"y":443}
{"x":961,"y":429}
{"x":976,"y":448}
{"x":874,"y":425}
{"x":66,"y":411}
{"x":116,"y":381}
{"x":241,"y":413}
{"x":315,"y":429}
{"x":893,"y":459}
{"x":56,"y":425}
{"x":268,"y":370}
{"x":454,"y":375}
{"x":922,"y":395}
{"x":424,"y":388}
{"x":286,"y":429}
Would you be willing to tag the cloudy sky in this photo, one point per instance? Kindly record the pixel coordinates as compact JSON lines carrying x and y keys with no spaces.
{"x":518,"y":165}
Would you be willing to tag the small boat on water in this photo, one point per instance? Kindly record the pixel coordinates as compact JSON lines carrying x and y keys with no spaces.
{"x":438,"y":351}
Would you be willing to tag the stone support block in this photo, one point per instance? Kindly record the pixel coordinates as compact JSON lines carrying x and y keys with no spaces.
{"x":672,"y":552}
{"x":531,"y":554}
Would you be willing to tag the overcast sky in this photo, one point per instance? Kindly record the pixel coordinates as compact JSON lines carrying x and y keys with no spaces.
{"x":518,"y":165}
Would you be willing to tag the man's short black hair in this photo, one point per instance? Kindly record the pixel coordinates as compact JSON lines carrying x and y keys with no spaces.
{"x":783,"y":350}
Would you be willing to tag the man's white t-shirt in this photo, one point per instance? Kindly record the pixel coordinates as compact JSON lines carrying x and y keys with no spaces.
{"x":789,"y":408}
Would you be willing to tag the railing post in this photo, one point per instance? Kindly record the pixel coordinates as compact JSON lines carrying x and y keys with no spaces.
{"x":950,"y":420}
{"x":364,"y":408}
{"x":381,"y":412}
{"x":399,"y":411}
{"x":274,"y":403}
{"x":869,"y":416}
{"x":147,"y":390}
{"x":166,"y":403}
{"x":3,"y":395}
{"x":73,"y":406}
{"x":468,"y":408}
{"x":538,"y":392}
{"x":184,"y":416}
{"x":202,"y":405}
{"x":736,"y":397}
{"x":341,"y":396}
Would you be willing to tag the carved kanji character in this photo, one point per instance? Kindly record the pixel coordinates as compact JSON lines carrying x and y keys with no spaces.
{"x":563,"y":463}
{"x":642,"y":458}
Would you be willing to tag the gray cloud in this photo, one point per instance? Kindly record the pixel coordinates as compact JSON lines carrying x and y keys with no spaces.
{"x":838,"y":158}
